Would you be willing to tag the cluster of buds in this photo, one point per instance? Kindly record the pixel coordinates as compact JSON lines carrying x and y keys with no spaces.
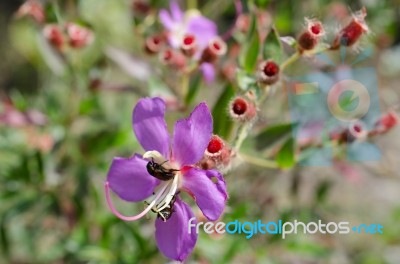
{"x":217,"y":155}
{"x":312,"y":34}
{"x":173,"y":58}
{"x":351,"y":33}
{"x":33,"y":9}
{"x":268,"y":72}
{"x":357,"y":131}
{"x":188,"y":49}
{"x":243,"y":109}
{"x":70,"y":34}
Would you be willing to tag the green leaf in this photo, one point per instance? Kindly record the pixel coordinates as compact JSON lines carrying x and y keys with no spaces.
{"x":285,"y":157}
{"x":222,"y":122}
{"x":245,"y":81}
{"x":194,"y":87}
{"x":248,"y":56}
{"x":273,"y":47}
{"x":272,"y":134}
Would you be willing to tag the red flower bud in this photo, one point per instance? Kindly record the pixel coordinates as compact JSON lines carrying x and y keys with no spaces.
{"x":386,"y":123}
{"x":311,"y":36}
{"x":33,"y":9}
{"x":153,"y":44}
{"x":243,"y":23}
{"x":79,"y":37}
{"x":173,"y":58}
{"x":217,"y":155}
{"x":350,"y":34}
{"x":216,"y":48}
{"x":356,"y":131}
{"x":242,"y":109}
{"x":54,"y":35}
{"x":189,"y":45}
{"x":268,"y":72}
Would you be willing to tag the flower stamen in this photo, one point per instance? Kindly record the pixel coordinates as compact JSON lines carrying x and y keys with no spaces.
{"x":138,"y":216}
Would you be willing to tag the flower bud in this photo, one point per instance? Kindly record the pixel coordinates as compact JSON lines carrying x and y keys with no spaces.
{"x":243,"y":23}
{"x":141,"y":7}
{"x":350,"y":34}
{"x":242,"y":109}
{"x":54,"y":36}
{"x":33,"y":9}
{"x":189,"y":45}
{"x":217,"y":154}
{"x":173,"y":58}
{"x":311,"y":36}
{"x":215,"y":49}
{"x":356,"y":131}
{"x":153,"y":44}
{"x":268,"y":72}
{"x":79,"y":37}
{"x":386,"y":123}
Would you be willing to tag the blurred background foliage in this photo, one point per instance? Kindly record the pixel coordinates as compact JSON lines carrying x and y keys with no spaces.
{"x":74,"y":116}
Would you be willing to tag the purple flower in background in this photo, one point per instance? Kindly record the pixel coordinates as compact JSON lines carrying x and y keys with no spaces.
{"x":179,"y":24}
{"x":164,"y":170}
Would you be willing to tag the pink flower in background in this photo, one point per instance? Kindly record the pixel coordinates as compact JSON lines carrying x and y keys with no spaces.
{"x":179,"y":24}
{"x":135,"y":179}
{"x":79,"y":37}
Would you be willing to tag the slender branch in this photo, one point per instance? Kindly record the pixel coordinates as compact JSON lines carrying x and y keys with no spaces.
{"x":259,"y":162}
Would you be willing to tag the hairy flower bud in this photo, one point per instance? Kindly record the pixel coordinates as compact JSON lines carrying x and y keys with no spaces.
{"x":386,"y":123}
{"x":217,"y":154}
{"x":79,"y":37}
{"x":350,"y":34}
{"x":215,"y":49}
{"x":268,"y":72}
{"x":189,"y":45}
{"x":356,"y":131}
{"x":153,"y":44}
{"x":242,"y":109}
{"x":173,"y":58}
{"x":311,"y":36}
{"x":54,"y":36}
{"x":33,"y":9}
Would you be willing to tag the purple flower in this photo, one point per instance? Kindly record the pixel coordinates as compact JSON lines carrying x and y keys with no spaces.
{"x":130,"y":179}
{"x":179,"y":24}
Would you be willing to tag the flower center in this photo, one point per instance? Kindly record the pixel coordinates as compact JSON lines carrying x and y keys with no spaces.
{"x":215,"y":145}
{"x":316,"y":29}
{"x":165,"y":193}
{"x":271,"y":69}
{"x":239,"y":106}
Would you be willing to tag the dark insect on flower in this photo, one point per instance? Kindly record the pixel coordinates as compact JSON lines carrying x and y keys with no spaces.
{"x":167,"y":212}
{"x":158,"y":171}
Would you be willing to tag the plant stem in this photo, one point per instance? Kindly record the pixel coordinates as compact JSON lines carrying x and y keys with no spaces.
{"x":295,"y":56}
{"x":259,"y":162}
{"x":185,"y":85}
{"x":242,"y":136}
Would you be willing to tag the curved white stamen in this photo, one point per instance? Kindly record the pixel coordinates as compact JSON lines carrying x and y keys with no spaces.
{"x":130,"y":218}
{"x":162,"y":197}
{"x":170,"y":195}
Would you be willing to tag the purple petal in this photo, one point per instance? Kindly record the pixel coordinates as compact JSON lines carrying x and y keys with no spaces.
{"x":176,"y":12}
{"x":203,"y":28}
{"x":192,"y":135}
{"x":129,"y":179}
{"x":173,"y":238}
{"x":208,"y":189}
{"x":166,"y":19}
{"x":149,"y":125}
{"x":208,"y":72}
